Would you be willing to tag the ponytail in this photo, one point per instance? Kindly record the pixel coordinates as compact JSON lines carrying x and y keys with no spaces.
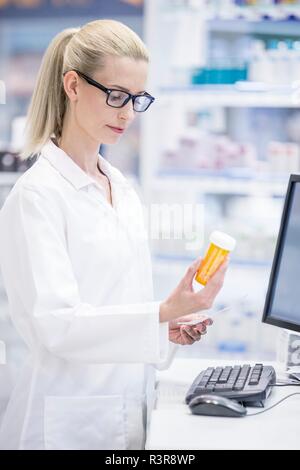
{"x":48,"y":104}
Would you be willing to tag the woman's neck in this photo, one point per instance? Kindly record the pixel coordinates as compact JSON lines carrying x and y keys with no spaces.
{"x":78,"y":146}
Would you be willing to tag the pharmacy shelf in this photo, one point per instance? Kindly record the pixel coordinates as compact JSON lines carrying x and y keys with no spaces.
{"x":232,"y":96}
{"x":262,"y":28}
{"x":8,"y":178}
{"x":220,"y":185}
{"x":224,"y":11}
{"x":255,"y":13}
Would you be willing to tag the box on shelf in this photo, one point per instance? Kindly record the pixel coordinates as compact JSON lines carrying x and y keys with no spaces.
{"x":10,"y":162}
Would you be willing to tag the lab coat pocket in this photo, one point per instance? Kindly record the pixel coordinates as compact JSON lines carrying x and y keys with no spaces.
{"x":85,"y":423}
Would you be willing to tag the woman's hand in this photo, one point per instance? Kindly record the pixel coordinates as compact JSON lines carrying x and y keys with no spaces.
{"x":184,"y":300}
{"x":185,"y":334}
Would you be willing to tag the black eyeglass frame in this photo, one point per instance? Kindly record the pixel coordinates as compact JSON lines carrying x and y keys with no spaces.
{"x":108,"y":91}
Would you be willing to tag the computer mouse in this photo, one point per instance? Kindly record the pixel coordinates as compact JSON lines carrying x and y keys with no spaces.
{"x":216,"y":405}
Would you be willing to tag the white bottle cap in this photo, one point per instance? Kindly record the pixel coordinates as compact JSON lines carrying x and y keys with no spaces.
{"x":222,"y":240}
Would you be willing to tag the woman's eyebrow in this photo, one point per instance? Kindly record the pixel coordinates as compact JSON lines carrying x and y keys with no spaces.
{"x":125,"y":89}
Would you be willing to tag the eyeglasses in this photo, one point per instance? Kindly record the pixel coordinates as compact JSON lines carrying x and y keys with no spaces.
{"x":118,"y":98}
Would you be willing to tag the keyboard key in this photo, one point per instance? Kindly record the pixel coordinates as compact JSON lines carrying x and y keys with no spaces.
{"x":216,"y":374}
{"x":210,"y":387}
{"x":234,"y":374}
{"x":225,"y":375}
{"x":253,"y":381}
{"x":209,"y":371}
{"x":232,"y":378}
{"x":203,"y":383}
{"x":244,"y":372}
{"x":239,"y":385}
{"x":221,"y":387}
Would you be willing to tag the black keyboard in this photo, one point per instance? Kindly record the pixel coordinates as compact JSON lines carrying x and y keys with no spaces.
{"x":250,"y":385}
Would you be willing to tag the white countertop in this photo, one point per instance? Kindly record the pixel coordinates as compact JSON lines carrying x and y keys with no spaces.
{"x":174,"y":427}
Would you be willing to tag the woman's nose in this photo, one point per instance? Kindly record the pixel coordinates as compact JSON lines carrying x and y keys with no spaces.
{"x":127,"y":112}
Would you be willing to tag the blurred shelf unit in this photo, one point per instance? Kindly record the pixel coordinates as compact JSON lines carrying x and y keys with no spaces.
{"x":225,"y":127}
{"x":228,"y":10}
{"x":10,"y":161}
{"x":241,"y":94}
{"x":278,"y":27}
{"x":190,"y":67}
{"x":11,"y":168}
{"x":259,"y":10}
{"x":221,"y":185}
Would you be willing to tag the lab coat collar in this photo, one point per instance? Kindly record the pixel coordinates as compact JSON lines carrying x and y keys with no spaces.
{"x":69,"y":169}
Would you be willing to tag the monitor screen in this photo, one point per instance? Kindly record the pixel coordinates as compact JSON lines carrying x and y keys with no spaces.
{"x":282,"y":305}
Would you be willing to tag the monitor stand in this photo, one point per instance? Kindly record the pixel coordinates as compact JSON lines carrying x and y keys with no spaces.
{"x":294,"y":372}
{"x":288,"y":352}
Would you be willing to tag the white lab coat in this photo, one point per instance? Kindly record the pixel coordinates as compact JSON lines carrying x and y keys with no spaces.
{"x":77,"y":273}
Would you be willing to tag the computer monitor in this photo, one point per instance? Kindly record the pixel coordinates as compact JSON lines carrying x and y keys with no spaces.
{"x":282,"y":304}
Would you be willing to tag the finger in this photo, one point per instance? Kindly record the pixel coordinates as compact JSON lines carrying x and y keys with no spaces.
{"x":215,"y":283}
{"x":200,"y":329}
{"x":208,"y":321}
{"x":186,"y":337}
{"x":193,"y":333}
{"x":190,"y":274}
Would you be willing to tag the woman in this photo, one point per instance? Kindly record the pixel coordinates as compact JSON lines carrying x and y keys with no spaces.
{"x":77,"y":274}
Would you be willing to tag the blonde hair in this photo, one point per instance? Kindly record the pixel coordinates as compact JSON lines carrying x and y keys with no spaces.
{"x":81,"y":49}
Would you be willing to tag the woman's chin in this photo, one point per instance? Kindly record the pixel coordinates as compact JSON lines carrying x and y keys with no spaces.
{"x":109,"y":140}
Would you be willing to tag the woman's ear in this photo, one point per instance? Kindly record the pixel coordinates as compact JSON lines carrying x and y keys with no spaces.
{"x":71,"y":85}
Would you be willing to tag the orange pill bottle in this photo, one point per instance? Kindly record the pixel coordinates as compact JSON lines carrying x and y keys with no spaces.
{"x":220,"y":246}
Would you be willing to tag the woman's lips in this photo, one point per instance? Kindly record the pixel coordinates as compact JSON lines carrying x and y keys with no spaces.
{"x":118,"y":130}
